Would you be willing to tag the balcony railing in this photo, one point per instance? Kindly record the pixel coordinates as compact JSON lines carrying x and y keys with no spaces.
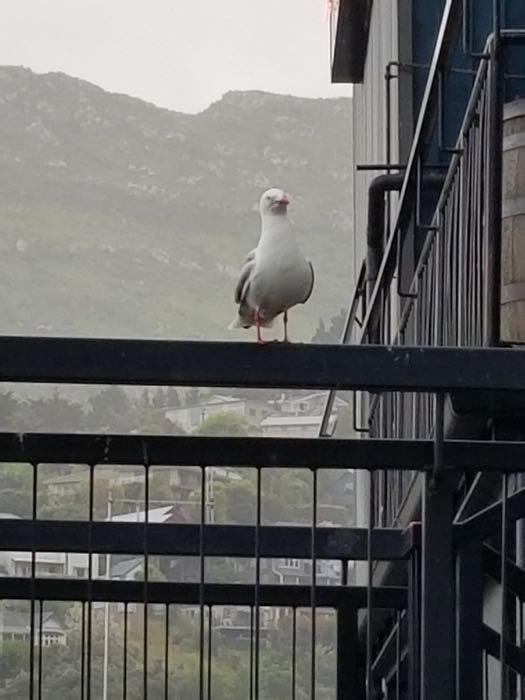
{"x":453,"y":298}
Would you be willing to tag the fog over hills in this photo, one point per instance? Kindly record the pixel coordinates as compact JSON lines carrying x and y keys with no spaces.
{"x":123,"y":219}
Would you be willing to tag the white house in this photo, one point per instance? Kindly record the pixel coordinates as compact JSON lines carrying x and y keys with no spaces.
{"x":293,"y":426}
{"x":190,"y":417}
{"x":16,"y":627}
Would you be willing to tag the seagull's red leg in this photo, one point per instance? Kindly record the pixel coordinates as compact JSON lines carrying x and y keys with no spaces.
{"x":285,"y":319}
{"x":258,"y":327}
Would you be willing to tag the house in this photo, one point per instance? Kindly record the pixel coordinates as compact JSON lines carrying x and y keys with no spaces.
{"x":190,"y":417}
{"x":234,"y":625}
{"x":16,"y":627}
{"x":306,"y":404}
{"x":77,"y":481}
{"x":296,"y":426}
{"x":47,"y":564}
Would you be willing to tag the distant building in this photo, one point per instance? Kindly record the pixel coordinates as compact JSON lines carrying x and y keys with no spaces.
{"x":307,"y":404}
{"x":190,"y":417}
{"x":16,"y":627}
{"x":78,"y":481}
{"x":299,"y":426}
{"x":47,"y":564}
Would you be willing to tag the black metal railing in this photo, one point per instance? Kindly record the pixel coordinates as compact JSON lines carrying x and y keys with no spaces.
{"x":175,"y":620}
{"x":453,"y":297}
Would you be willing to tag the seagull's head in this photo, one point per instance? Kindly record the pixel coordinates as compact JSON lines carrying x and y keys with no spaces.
{"x":274,"y":201}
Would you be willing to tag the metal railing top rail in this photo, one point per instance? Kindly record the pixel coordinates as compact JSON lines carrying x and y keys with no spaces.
{"x":201,"y":452}
{"x":297,"y":366}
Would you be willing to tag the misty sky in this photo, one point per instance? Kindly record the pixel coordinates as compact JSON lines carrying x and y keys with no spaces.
{"x":181,"y":54}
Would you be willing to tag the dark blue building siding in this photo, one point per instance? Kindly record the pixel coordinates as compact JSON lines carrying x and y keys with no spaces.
{"x":457,"y":82}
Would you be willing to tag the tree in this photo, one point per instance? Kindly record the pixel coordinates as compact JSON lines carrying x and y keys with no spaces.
{"x":172,"y":397}
{"x":8,"y":407}
{"x":159,"y":398}
{"x":334,"y":332}
{"x":49,"y":414}
{"x":192,"y":397}
{"x":111,"y":408}
{"x":226,"y":424}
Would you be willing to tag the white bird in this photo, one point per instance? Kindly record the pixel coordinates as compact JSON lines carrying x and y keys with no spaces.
{"x":275,"y":275}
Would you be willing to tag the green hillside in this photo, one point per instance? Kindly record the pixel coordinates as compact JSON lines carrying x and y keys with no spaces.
{"x":123,"y":219}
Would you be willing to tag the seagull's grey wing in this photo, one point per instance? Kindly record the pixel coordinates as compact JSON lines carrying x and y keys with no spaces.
{"x":244,"y":278}
{"x":309,"y":293}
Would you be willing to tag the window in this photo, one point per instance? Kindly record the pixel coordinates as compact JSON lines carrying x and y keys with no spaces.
{"x":252,"y":412}
{"x":291,"y":563}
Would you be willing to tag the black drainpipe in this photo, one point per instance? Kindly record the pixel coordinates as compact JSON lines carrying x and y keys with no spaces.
{"x":375,"y":230}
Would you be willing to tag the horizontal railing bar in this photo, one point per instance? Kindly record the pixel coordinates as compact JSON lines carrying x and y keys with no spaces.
{"x":514,"y":656}
{"x":167,"y":592}
{"x":176,"y":539}
{"x":311,"y":453}
{"x":297,"y":366}
{"x":488,"y":520}
{"x":515,"y":575}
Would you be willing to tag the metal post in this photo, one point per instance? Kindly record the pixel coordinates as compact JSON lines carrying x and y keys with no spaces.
{"x":413,"y":625}
{"x":106,"y":611}
{"x":348,"y":685}
{"x":437,"y":592}
{"x":494,"y":174}
{"x":469,"y":596}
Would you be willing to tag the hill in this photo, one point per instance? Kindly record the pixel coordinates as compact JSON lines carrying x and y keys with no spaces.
{"x":120,"y":218}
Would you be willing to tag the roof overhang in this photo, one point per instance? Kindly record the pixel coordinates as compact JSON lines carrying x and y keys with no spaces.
{"x":351,"y":41}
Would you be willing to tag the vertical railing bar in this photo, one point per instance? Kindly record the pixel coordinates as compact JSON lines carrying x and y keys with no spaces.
{"x":201,"y":581}
{"x":369,"y":601}
{"x":40,"y":638}
{"x":257,"y":583}
{"x":167,"y":653}
{"x":313,"y":588}
{"x":209,"y":650}
{"x":83,"y":651}
{"x":504,"y":499}
{"x":34,"y":513}
{"x":125,"y":655}
{"x":90,"y":579}
{"x":251,"y":652}
{"x":294,"y":651}
{"x":146,"y":574}
{"x":398,"y":656}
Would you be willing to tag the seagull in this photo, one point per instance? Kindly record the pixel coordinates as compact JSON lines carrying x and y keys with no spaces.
{"x":275,"y":275}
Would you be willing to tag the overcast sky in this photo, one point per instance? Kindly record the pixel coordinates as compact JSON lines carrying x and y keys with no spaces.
{"x":181,"y":54}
